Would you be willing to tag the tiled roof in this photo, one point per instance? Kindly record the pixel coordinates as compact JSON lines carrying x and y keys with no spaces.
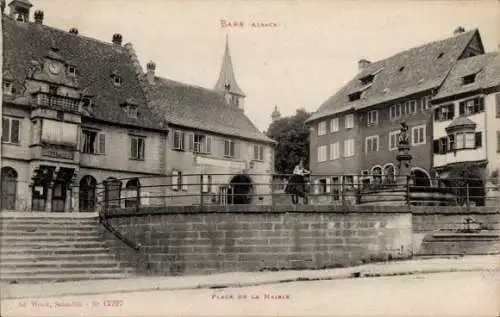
{"x":200,"y":108}
{"x":408,"y":72}
{"x":95,"y":62}
{"x":461,"y":121}
{"x":485,"y":66}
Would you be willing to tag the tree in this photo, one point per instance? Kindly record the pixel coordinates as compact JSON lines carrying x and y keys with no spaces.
{"x":292,"y":136}
{"x":469,"y":176}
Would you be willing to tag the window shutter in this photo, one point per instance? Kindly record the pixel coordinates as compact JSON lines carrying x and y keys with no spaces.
{"x":102,"y":143}
{"x":261,"y":152}
{"x":232,"y":149}
{"x":176,"y":140}
{"x":5,"y":130}
{"x":191,"y":141}
{"x":451,"y":112}
{"x":82,"y":141}
{"x":478,"y":139}
{"x":436,"y":114}
{"x":183,"y":140}
{"x":142,"y":148}
{"x":497,"y":96}
{"x":209,"y":144}
{"x":14,"y":131}
{"x":480,"y":102}
{"x":133,"y":147}
{"x":436,"y":146}
{"x":461,"y":110}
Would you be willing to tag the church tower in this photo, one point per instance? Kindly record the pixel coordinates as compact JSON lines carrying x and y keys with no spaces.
{"x":276,"y":115}
{"x":227,"y":81}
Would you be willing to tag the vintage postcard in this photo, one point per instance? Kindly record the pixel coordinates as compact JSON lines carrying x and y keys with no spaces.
{"x":250,"y":158}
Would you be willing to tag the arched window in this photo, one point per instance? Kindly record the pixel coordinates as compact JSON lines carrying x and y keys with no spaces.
{"x":133,"y":189}
{"x":113,"y":188}
{"x":8,"y":188}
{"x":88,"y":199}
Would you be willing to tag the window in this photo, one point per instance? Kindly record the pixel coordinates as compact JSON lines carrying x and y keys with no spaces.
{"x":355,"y":96}
{"x":411,"y":107}
{"x":179,"y":140}
{"x":322,"y":128}
{"x":498,"y":141}
{"x":334,"y":125}
{"x":469,"y":140}
{"x":137,"y":144}
{"x":334,"y":151}
{"x":444,"y":112}
{"x":426,"y":103}
{"x":395,"y":112}
{"x":349,"y":148}
{"x":60,"y":133}
{"x":206,"y":183}
{"x":131,"y":111}
{"x":93,"y":142}
{"x":86,"y":102}
{"x":200,"y":143}
{"x":322,"y":153}
{"x":367,"y":79}
{"x":72,"y":70}
{"x":348,"y":182}
{"x":371,"y":144}
{"x":7,"y":87}
{"x":117,"y":80}
{"x":471,"y":106}
{"x":418,"y":135}
{"x":372,"y":118}
{"x":393,"y":140}
{"x":469,"y":79}
{"x":228,"y":148}
{"x":53,"y":90}
{"x":335,"y":188}
{"x":11,"y":130}
{"x":497,"y":97}
{"x":178,"y":181}
{"x":258,"y":152}
{"x":349,"y":121}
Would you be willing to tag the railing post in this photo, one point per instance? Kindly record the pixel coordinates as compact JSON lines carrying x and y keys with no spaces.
{"x":201,"y":192}
{"x":408,"y":190}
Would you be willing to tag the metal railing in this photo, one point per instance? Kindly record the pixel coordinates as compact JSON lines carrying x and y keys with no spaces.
{"x":57,"y":102}
{"x":261,"y":189}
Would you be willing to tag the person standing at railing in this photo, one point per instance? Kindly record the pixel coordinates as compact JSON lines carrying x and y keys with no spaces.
{"x":296,"y":186}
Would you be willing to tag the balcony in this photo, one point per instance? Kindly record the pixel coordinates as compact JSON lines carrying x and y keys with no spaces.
{"x":61,"y":103}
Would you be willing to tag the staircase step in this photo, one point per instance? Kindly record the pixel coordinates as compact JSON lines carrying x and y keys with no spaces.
{"x":26,"y":257}
{"x":61,"y":263}
{"x":55,"y":251}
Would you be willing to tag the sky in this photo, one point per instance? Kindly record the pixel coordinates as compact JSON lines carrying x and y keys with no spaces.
{"x":308,"y":50}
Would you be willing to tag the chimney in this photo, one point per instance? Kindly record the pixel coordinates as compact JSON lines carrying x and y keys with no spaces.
{"x":458,"y":30}
{"x":150,"y":75}
{"x":363,"y":63}
{"x":117,"y":39}
{"x":73,"y":31}
{"x":20,"y":10}
{"x":39,"y":16}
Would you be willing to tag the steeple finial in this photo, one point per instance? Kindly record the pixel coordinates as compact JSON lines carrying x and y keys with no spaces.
{"x":227,"y":79}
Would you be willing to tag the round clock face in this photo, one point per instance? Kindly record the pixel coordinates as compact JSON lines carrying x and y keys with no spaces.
{"x":54,"y":69}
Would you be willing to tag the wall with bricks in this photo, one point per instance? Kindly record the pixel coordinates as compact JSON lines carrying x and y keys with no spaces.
{"x":182,"y":240}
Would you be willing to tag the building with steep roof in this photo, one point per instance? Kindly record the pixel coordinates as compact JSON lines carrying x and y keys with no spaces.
{"x":356,"y":130}
{"x":210,"y":134}
{"x":466,"y":125}
{"x":74,"y":115}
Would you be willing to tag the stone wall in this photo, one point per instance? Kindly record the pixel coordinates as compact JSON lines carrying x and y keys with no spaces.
{"x":182,"y":240}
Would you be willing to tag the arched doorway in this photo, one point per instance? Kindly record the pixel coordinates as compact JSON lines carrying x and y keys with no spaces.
{"x":8,"y":188}
{"x":241,"y":192}
{"x":88,"y":186}
{"x":113,"y":188}
{"x":133,"y":192}
{"x":377,"y":175}
{"x":421,"y":177}
{"x":389,"y":173}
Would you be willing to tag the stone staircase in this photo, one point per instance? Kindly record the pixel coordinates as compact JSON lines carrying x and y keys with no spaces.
{"x":49,"y":247}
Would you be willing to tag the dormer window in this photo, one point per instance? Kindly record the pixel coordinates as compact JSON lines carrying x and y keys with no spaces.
{"x":117,"y":80}
{"x":131,"y":110}
{"x":72,"y":70}
{"x":367,"y":79}
{"x":87,"y":102}
{"x":355,"y":96}
{"x":469,"y":79}
{"x":440,"y":55}
{"x":7,"y":87}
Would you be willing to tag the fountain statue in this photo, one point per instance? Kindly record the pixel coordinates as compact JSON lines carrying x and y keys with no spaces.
{"x":404,"y":157}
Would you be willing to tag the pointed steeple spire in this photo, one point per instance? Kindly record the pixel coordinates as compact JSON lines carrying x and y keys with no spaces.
{"x":227,"y":79}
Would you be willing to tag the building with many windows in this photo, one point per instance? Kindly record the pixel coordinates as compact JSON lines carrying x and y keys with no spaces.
{"x":356,"y":130}
{"x":466,"y":124}
{"x":210,"y":134}
{"x":74,"y":116}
